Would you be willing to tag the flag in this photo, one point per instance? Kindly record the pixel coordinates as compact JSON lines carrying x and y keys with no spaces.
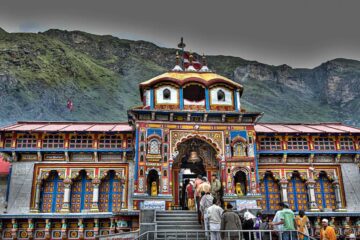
{"x":196,"y":64}
{"x":70,"y":105}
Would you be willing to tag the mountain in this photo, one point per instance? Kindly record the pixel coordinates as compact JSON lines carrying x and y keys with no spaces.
{"x":39,"y":72}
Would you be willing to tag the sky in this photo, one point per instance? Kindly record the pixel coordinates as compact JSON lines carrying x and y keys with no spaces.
{"x":302,"y":34}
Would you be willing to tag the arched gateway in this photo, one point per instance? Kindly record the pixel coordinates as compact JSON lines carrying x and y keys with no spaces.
{"x":195,"y":157}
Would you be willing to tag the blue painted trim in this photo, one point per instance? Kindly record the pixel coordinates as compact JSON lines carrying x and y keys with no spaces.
{"x":54,"y":194}
{"x":136,"y":153}
{"x":256,"y":165}
{"x":322,"y":192}
{"x":235,"y":101}
{"x":65,"y":149}
{"x":306,"y":152}
{"x":111,"y":186}
{"x":207,"y":99}
{"x":181,"y":98}
{"x":266,"y":181}
{"x":295,"y":194}
{"x":151,"y":98}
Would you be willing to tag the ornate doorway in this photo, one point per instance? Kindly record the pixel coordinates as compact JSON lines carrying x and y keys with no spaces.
{"x":195,"y":157}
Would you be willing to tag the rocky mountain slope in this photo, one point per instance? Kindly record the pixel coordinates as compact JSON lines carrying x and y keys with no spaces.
{"x":100,"y":74}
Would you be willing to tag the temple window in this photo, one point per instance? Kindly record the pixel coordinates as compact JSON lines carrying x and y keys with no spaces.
{"x":221,"y":96}
{"x":166,"y":138}
{"x":154,"y":147}
{"x":141,"y":158}
{"x":165,"y":173}
{"x":165,"y":148}
{"x":8,"y":140}
{"x":26,"y":141}
{"x":297,"y":193}
{"x":324,"y":143}
{"x":347,"y":143}
{"x":81,"y":193}
{"x":141,"y":148}
{"x":165,"y":158}
{"x":129,"y":142}
{"x":297,"y":143}
{"x":52,"y":193}
{"x":142,"y":138}
{"x":53,"y":141}
{"x":141,"y":172}
{"x":239,"y":149}
{"x":270,"y":190}
{"x":111,"y":141}
{"x":270,"y":143}
{"x":324,"y":192}
{"x":81,"y":141}
{"x":110,"y":193}
{"x":166,"y":94}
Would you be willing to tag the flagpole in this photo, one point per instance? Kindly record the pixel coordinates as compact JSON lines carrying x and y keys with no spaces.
{"x":182,"y":45}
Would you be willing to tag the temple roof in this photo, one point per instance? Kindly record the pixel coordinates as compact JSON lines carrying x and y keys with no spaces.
{"x":305,"y":128}
{"x":69,"y":127}
{"x":181,"y":78}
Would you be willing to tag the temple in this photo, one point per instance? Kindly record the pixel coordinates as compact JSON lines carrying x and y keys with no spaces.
{"x":79,"y":180}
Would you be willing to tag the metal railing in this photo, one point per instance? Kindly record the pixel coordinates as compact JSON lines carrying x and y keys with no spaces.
{"x":225,"y":235}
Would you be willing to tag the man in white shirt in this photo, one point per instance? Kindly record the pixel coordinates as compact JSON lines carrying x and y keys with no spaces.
{"x":214,"y":214}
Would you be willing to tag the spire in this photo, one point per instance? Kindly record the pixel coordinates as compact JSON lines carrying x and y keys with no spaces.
{"x":191,"y":68}
{"x":177,"y":67}
{"x":204,"y":67}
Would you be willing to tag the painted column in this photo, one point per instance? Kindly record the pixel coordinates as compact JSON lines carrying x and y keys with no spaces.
{"x":181,"y":98}
{"x":95,"y":200}
{"x":14,"y":229}
{"x":67,"y":192}
{"x":63,"y":229}
{"x":283,"y":192}
{"x":310,"y":183}
{"x":96,"y":228}
{"x":151,"y":98}
{"x":170,"y":176}
{"x":81,"y":228}
{"x":30,"y":229}
{"x":47,"y":228}
{"x":338,"y":204}
{"x":207,"y":99}
{"x":37,"y":197}
{"x":236,"y":100}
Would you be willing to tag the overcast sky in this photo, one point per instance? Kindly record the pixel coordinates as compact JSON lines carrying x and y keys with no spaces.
{"x":302,"y":33}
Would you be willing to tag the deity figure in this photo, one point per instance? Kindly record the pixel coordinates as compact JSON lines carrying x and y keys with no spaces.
{"x":153,"y":189}
{"x":238,"y":189}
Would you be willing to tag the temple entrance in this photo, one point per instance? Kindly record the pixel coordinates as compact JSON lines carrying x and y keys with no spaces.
{"x":153,"y":183}
{"x":196,"y":157}
{"x":240,"y":183}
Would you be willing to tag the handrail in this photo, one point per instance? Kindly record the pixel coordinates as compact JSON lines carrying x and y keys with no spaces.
{"x":189,"y":234}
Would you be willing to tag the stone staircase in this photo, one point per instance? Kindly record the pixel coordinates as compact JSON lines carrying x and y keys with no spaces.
{"x":181,"y":221}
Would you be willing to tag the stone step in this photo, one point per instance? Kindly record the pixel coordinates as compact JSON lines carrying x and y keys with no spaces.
{"x":185,"y":222}
{"x":180,"y":236}
{"x":176,"y":215}
{"x":180,"y":218}
{"x":178,"y":227}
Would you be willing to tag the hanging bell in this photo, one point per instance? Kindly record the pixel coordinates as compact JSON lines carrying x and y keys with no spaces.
{"x":194,"y":157}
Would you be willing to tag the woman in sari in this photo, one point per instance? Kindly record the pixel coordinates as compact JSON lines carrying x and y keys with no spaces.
{"x":303,"y":225}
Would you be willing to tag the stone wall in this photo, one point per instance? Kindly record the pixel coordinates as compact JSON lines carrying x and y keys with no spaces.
{"x":20,"y":187}
{"x":351,"y":179}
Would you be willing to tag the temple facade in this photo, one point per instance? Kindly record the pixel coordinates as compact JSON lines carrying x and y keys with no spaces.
{"x":79,"y":180}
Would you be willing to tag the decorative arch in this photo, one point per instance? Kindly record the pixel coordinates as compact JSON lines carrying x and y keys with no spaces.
{"x":119,"y":173}
{"x":81,"y":191}
{"x":239,"y":147}
{"x":241,"y":180}
{"x":76,"y":173}
{"x":110,"y":192}
{"x":204,"y":138}
{"x":297,"y":191}
{"x":270,"y":190}
{"x":153,"y":180}
{"x":52,"y":192}
{"x":324,"y":191}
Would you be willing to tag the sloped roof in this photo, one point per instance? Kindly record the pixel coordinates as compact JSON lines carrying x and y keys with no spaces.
{"x":68,"y":127}
{"x":305,"y":128}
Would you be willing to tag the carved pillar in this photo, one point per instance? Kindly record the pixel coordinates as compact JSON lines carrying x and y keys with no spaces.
{"x":311,"y":191}
{"x":283,"y":188}
{"x":63,"y":229}
{"x":14,"y":229}
{"x":96,"y":228}
{"x":338,"y":204}
{"x":81,"y":228}
{"x":30,"y":229}
{"x":112,"y":225}
{"x":67,"y":192}
{"x":47,"y":228}
{"x":36,"y":208}
{"x":95,"y":200}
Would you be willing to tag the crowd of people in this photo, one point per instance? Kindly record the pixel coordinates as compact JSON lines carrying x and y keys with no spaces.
{"x":207,"y":197}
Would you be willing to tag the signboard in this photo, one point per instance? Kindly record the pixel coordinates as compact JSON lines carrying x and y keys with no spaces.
{"x":245,"y":204}
{"x":54,"y":157}
{"x":110,"y":157}
{"x":29,"y":157}
{"x":158,"y":205}
{"x":82,"y":157}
